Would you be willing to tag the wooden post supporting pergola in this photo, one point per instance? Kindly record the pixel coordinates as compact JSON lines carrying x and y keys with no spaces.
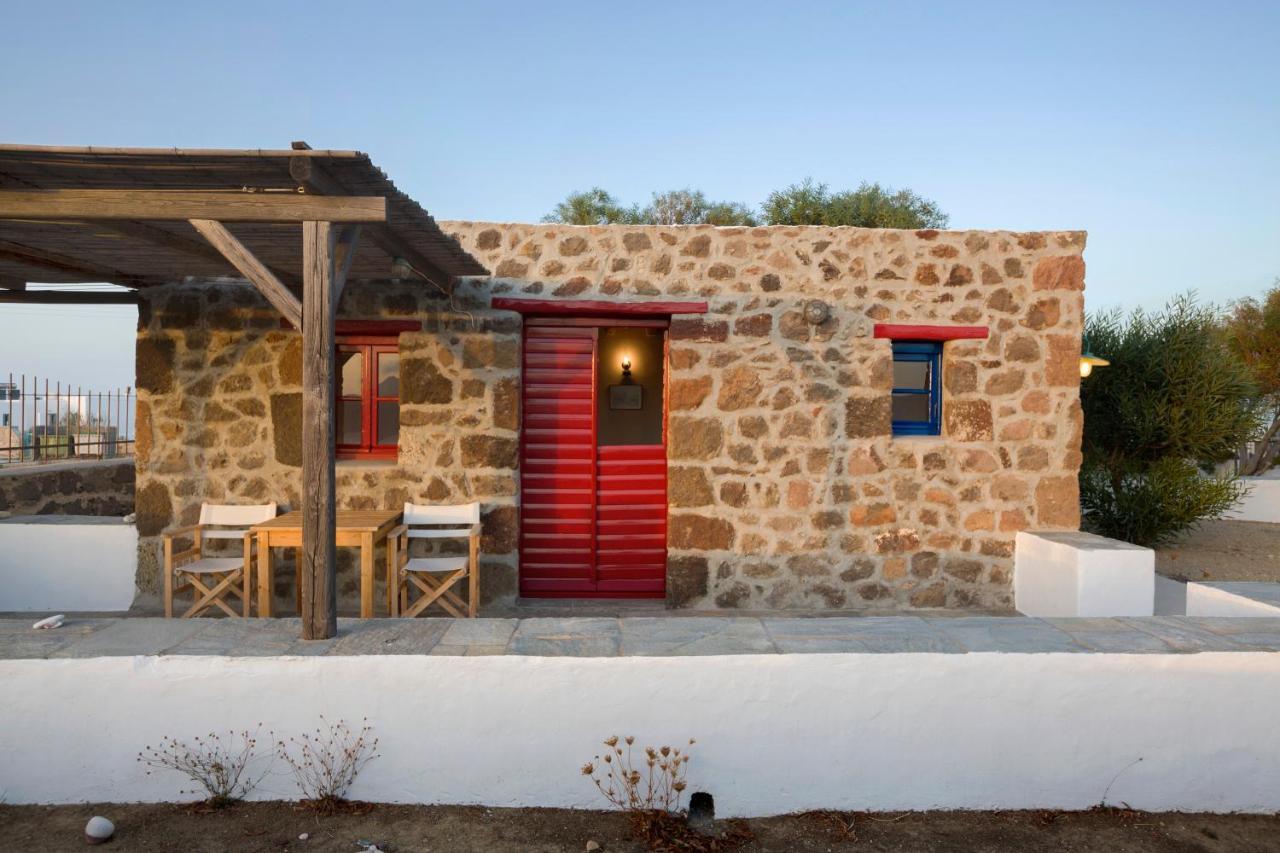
{"x":330,"y":229}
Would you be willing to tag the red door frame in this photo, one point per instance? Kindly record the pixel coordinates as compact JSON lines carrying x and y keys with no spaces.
{"x":536,"y":319}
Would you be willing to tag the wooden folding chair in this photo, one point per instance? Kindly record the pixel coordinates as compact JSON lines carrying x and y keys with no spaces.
{"x":212,"y":580}
{"x":432,"y":578}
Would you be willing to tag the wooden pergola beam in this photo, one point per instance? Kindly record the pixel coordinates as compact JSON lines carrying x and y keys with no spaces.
{"x":312,"y":176}
{"x":65,"y":266}
{"x":251,"y":268}
{"x":67,"y":297}
{"x":179,"y":243}
{"x":346,"y":242}
{"x":233,"y":206}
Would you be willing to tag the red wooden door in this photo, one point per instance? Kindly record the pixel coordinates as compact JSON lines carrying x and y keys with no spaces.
{"x":592,"y":519}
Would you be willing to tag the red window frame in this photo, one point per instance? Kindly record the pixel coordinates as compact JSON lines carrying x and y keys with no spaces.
{"x":369,"y":347}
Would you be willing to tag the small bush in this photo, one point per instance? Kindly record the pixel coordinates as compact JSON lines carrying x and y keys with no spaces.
{"x":326,"y":762}
{"x":217,"y":763}
{"x":1174,"y":399}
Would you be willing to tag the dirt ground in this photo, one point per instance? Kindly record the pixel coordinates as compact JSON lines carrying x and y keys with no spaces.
{"x":277,"y":826}
{"x":1224,"y":551}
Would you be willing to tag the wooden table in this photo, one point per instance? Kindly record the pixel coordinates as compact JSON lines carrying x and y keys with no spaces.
{"x":356,"y":528}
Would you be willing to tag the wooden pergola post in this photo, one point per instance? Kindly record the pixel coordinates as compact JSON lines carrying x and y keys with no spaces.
{"x":319,"y":308}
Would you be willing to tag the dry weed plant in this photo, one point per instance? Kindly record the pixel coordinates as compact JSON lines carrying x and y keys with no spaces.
{"x":326,"y":762}
{"x":654,"y":784}
{"x":217,"y":763}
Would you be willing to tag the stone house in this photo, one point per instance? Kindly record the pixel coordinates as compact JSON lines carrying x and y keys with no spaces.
{"x":775,"y":417}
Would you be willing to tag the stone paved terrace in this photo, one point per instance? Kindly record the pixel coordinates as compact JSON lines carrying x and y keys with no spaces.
{"x":639,"y":636}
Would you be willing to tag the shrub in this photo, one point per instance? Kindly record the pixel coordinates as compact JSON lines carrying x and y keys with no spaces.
{"x":1175,"y":399}
{"x":217,"y":763}
{"x":326,"y":762}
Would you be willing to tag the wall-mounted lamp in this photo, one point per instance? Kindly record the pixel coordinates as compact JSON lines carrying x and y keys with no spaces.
{"x":1088,"y":361}
{"x":626,"y":368}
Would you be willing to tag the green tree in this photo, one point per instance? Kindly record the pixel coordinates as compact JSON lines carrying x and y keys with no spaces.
{"x":869,"y":206}
{"x":1175,"y":400}
{"x":691,"y":207}
{"x":1252,"y":329}
{"x":592,"y":207}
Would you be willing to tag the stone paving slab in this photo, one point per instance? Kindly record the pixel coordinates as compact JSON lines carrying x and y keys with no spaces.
{"x":642,"y":636}
{"x":988,"y":634}
{"x":701,"y":635}
{"x":589,"y":637}
{"x":476,"y":637}
{"x":134,"y":637}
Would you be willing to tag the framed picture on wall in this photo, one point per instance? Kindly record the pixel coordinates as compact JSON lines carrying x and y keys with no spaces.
{"x":626,"y":397}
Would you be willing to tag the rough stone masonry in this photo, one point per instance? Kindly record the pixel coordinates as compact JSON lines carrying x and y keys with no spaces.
{"x":787,"y":489}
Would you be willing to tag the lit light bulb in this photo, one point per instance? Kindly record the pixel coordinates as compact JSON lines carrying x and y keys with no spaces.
{"x":1085,"y":368}
{"x":626,"y":364}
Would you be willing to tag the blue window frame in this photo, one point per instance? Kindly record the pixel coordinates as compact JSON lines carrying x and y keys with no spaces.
{"x":917,"y":387}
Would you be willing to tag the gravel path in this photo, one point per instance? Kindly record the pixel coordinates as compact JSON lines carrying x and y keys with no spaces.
{"x":1224,"y":551}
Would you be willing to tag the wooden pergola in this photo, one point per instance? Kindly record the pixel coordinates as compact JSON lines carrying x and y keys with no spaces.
{"x":296,"y":223}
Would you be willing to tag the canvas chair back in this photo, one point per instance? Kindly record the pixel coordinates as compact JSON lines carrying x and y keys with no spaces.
{"x":442,"y":521}
{"x":233,"y":521}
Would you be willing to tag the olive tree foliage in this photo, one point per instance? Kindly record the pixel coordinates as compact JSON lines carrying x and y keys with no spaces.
{"x":805,"y":203}
{"x":691,"y":207}
{"x":1175,"y":400}
{"x":869,"y":206}
{"x":591,"y":207}
{"x":1252,"y":330}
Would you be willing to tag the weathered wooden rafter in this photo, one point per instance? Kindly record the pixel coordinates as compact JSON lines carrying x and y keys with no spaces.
{"x":251,"y":268}
{"x":344,"y":252}
{"x":313,"y":177}
{"x":233,"y":206}
{"x":67,"y":266}
{"x":179,"y":243}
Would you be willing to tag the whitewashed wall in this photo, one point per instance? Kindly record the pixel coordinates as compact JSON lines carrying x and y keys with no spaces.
{"x":775,"y":733}
{"x":1262,"y":503}
{"x":67,"y":563}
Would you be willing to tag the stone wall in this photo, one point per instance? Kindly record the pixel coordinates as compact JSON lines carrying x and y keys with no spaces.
{"x":220,"y":409}
{"x":89,"y":487}
{"x":787,"y":489}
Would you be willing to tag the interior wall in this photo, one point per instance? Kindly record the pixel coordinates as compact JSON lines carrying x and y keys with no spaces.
{"x":645,"y":348}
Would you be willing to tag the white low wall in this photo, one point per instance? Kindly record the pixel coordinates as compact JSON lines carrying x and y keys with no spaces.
{"x":67,"y":563}
{"x":1210,"y":600}
{"x":776,"y":733}
{"x":1262,"y":503}
{"x":1081,"y":574}
{"x":1171,"y":597}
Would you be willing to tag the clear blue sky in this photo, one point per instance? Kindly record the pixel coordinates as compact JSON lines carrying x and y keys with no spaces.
{"x":1156,"y":127}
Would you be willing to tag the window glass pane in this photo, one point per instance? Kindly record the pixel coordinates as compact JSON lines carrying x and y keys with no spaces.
{"x":911,"y":407}
{"x":388,"y":374}
{"x":910,"y":374}
{"x":388,"y":422}
{"x":351,"y":369}
{"x":349,"y":422}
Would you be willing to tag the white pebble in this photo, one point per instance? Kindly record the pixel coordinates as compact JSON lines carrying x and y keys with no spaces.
{"x":98,"y":830}
{"x":304,"y":836}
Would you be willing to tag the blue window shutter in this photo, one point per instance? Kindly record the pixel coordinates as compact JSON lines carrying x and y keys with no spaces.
{"x":930,"y":354}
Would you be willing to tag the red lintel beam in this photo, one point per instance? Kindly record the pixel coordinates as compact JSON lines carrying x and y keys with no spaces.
{"x":595,"y":307}
{"x":930,"y":333}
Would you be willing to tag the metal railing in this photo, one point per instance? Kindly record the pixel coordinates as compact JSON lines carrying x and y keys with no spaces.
{"x":43,"y":421}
